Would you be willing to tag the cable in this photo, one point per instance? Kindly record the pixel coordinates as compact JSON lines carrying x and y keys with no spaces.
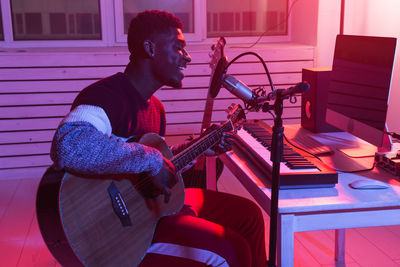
{"x":302,"y":149}
{"x":262,"y":62}
{"x":393,"y":134}
{"x":364,"y":170}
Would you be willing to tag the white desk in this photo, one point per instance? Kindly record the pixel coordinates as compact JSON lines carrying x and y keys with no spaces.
{"x":337,"y":208}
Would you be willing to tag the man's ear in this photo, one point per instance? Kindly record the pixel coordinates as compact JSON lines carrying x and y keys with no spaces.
{"x":149,"y":48}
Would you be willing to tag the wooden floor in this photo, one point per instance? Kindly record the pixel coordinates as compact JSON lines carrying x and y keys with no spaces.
{"x":21,"y":244}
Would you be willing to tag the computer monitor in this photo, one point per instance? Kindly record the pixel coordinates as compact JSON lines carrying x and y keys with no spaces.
{"x":359,"y":89}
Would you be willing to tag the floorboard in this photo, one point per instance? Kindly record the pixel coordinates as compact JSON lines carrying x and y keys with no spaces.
{"x":34,"y":252}
{"x":383,"y":239}
{"x":7,"y":191}
{"x":21,"y":244}
{"x":18,"y":214}
{"x":364,"y":252}
{"x":322,"y":246}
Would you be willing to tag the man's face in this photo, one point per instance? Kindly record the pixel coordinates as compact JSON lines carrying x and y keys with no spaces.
{"x":170,"y":58}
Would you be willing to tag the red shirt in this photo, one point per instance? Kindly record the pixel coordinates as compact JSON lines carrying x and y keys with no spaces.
{"x":129,"y":114}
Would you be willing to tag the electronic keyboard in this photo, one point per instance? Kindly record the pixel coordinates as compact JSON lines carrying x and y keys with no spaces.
{"x":298,"y":169}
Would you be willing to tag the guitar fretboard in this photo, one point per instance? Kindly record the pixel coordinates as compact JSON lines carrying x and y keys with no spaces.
{"x":200,"y":146}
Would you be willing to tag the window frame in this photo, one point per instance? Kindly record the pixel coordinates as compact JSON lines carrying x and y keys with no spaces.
{"x":112,"y":33}
{"x":199,"y":7}
{"x":200,"y":27}
{"x":107,"y":36}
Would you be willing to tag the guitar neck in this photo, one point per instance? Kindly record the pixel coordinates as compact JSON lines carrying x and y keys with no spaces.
{"x":207,"y":113}
{"x":200,"y":146}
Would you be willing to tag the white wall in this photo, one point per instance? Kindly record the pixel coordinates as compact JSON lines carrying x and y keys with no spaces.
{"x":316,"y":23}
{"x":304,"y":21}
{"x":362,"y":17}
{"x":328,"y":28}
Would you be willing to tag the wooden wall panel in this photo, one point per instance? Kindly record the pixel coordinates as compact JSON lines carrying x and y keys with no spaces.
{"x":22,"y":86}
{"x":38,"y":86}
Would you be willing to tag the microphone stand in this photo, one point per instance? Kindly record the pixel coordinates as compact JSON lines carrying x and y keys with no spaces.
{"x":251,"y":100}
{"x":276,"y":158}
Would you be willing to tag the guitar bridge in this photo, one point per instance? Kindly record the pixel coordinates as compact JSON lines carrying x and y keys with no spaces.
{"x":119,"y":205}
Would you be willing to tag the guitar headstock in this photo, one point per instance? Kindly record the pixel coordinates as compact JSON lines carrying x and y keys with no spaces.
{"x":217,"y":64}
{"x":236,"y":116}
{"x":217,"y":52}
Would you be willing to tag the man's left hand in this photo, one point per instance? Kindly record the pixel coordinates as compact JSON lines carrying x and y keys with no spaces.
{"x":223,"y":146}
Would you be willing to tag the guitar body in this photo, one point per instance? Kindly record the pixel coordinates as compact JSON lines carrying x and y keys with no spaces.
{"x":92,"y":214}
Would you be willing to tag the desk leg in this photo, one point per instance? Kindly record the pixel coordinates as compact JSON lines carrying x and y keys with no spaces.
{"x":285,"y":240}
{"x":211,"y":173}
{"x":340,"y":248}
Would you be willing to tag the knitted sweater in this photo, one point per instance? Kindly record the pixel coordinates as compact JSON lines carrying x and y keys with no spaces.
{"x":91,"y":138}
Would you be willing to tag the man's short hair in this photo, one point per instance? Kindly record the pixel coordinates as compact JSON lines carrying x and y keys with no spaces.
{"x":146,"y":25}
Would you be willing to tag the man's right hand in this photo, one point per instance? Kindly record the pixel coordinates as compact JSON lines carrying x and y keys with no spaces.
{"x":165,"y":179}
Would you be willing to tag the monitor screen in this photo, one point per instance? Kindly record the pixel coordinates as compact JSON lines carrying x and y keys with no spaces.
{"x":359,"y":90}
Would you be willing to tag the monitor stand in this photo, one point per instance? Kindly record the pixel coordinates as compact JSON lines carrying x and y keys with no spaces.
{"x":359,"y":152}
{"x":367,"y":150}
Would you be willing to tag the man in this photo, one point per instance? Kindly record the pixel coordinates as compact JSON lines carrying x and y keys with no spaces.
{"x":214,"y":229}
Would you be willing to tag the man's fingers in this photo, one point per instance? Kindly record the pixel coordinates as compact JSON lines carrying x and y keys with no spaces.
{"x":228,"y":137}
{"x":167,"y":194}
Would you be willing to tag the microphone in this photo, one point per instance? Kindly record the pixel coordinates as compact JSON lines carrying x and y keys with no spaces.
{"x":242,"y":91}
{"x":299,"y":88}
{"x":239,"y":89}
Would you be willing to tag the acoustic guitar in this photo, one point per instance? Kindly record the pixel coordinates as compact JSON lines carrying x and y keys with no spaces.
{"x":110,"y":222}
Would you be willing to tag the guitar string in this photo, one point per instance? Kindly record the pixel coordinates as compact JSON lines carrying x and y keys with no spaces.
{"x":199,"y":144}
{"x":196,"y":145}
{"x":180,"y":156}
{"x":176,"y":159}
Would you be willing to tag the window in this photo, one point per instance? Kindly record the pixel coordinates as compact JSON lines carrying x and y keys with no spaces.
{"x":55,"y":23}
{"x":183,"y":9}
{"x":56,"y":20}
{"x":210,"y":18}
{"x":188,"y":11}
{"x":246,"y":18}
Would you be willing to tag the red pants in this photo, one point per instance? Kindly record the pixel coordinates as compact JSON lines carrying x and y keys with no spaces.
{"x":219,"y":229}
